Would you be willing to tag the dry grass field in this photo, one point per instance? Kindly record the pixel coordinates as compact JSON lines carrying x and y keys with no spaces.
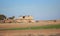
{"x":24,"y":25}
{"x":40,"y":32}
{"x":45,"y":32}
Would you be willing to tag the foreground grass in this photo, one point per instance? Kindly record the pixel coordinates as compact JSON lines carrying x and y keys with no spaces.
{"x":35,"y":27}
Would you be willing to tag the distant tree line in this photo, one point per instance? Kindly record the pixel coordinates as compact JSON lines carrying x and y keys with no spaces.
{"x":2,"y":17}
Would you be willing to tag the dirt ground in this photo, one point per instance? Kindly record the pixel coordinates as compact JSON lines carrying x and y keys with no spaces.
{"x":42,"y":32}
{"x":24,"y":25}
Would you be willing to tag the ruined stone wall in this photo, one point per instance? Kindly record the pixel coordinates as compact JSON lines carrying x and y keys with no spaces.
{"x":25,"y":19}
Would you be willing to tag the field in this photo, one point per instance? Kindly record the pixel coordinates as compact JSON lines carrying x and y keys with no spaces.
{"x":56,"y":26}
{"x":45,"y":32}
{"x":25,"y":25}
{"x":49,"y":28}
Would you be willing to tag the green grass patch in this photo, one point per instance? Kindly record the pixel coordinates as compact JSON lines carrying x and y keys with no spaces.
{"x":47,"y":27}
{"x":35,"y":27}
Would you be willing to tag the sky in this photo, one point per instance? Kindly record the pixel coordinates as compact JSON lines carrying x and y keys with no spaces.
{"x":39,"y":9}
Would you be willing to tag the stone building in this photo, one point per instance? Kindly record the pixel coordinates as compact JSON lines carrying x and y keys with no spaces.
{"x":26,"y":19}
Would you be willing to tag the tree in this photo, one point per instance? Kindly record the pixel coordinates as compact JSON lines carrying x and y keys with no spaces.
{"x":2,"y":17}
{"x":12,"y":17}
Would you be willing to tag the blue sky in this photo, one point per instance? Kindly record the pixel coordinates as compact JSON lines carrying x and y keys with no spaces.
{"x":39,"y":9}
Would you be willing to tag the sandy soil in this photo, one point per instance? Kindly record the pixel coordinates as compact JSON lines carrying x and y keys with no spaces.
{"x":45,"y":32}
{"x":22,"y":25}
